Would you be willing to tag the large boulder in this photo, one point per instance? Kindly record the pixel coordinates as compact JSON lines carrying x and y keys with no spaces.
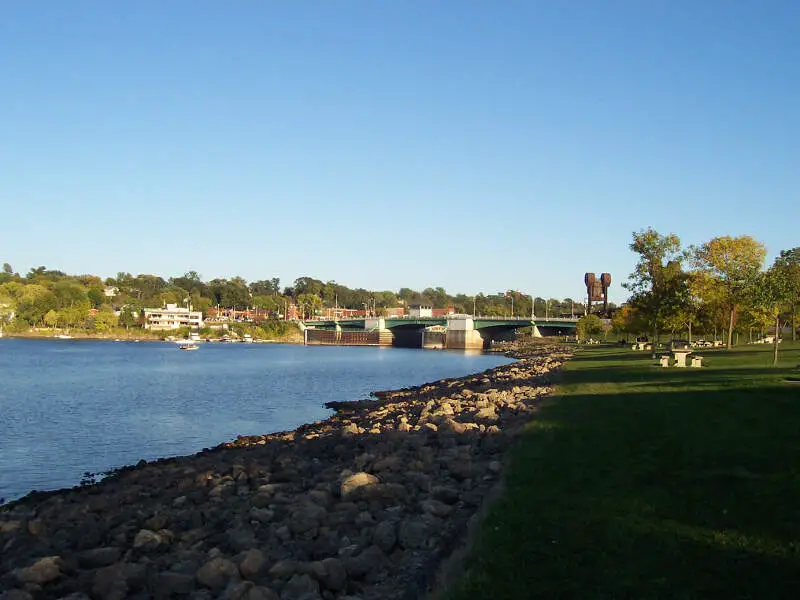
{"x":330,"y":573}
{"x":43,"y":571}
{"x":252,"y":563}
{"x":357,"y":480}
{"x":217,"y":572}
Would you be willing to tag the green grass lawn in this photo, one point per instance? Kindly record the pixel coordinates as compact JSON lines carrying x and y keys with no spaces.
{"x":641,"y":482}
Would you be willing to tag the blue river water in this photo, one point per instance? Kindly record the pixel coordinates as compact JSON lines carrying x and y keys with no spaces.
{"x":72,"y":406}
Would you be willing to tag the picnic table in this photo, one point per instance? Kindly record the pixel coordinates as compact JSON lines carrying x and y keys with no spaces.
{"x":680,"y":355}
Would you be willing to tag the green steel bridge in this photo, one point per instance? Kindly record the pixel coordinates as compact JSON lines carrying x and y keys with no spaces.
{"x":360,"y":324}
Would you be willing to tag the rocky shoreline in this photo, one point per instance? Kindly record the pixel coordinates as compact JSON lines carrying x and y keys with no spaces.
{"x":364,"y":505}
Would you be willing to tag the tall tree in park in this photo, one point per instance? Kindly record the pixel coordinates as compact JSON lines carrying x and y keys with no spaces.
{"x":731,"y":266}
{"x":771,"y":291}
{"x":658,"y":283}
{"x":788,"y":264}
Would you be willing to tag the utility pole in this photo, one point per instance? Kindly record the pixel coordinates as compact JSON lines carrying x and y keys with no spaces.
{"x":533,"y":323}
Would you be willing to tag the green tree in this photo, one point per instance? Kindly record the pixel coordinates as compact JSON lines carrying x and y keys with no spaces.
{"x":103,"y":321}
{"x":658,"y":283}
{"x":7,"y":269}
{"x":769,"y":293}
{"x":34,"y":302}
{"x":788,"y":263}
{"x":628,"y":320}
{"x":731,"y":267}
{"x":6,"y":306}
{"x":75,"y":316}
{"x":308,"y":285}
{"x":588,"y":326}
{"x":127,"y":317}
{"x":309,"y":303}
{"x":51,"y":318}
{"x":96,"y":296}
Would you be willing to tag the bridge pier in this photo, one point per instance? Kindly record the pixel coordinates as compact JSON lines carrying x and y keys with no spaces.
{"x":462,"y":335}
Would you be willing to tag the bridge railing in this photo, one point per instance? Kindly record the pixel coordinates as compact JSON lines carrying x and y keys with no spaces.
{"x":482,"y":318}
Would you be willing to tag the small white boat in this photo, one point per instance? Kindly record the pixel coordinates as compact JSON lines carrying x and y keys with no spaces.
{"x":189,"y":346}
{"x":64,"y":337}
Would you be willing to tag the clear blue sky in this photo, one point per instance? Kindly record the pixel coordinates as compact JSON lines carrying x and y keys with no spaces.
{"x":479,"y":146}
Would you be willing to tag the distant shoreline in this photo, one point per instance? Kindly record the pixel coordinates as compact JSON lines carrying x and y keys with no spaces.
{"x":123,"y":338}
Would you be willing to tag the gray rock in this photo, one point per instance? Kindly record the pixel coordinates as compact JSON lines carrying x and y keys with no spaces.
{"x":330,"y":572}
{"x":355,"y":481}
{"x":486,"y":414}
{"x":16,"y":595}
{"x":385,"y":536}
{"x":412,"y":534}
{"x":436,"y":507}
{"x":252,"y":563}
{"x":350,"y":429}
{"x":445,"y":494}
{"x":393,"y":462}
{"x":169,"y":583}
{"x":241,"y":538}
{"x":366,"y":562}
{"x":99,"y":557}
{"x":262,"y":515}
{"x":284,"y":569}
{"x":449,"y":425}
{"x":147,"y":540}
{"x":421,"y":481}
{"x":111,"y":582}
{"x":307,"y":518}
{"x":36,"y":527}
{"x":217,"y":572}
{"x":381,"y":492}
{"x":43,"y":571}
{"x":461,"y":469}
{"x":283,"y":533}
{"x":300,"y":587}
{"x":10,"y":526}
{"x":247,"y":590}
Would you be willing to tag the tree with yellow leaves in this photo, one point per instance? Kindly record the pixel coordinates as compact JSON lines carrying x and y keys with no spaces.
{"x":730,"y":267}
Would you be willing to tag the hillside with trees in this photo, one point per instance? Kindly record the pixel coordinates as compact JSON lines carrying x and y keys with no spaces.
{"x":50,"y":299}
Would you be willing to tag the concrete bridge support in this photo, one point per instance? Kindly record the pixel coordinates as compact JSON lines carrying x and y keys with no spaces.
{"x":462,"y":335}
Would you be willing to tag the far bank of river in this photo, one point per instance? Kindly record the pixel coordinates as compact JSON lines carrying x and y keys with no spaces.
{"x":76,"y":406}
{"x":125,"y":336}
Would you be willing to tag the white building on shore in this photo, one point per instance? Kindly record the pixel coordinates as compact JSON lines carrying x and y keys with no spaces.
{"x":171,"y":317}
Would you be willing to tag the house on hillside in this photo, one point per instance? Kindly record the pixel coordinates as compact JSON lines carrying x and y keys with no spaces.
{"x":171,"y":317}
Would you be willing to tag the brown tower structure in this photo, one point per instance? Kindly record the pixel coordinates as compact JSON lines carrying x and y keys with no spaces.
{"x":597,"y":290}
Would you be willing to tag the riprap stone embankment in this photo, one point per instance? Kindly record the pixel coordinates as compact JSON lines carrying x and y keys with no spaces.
{"x":363,"y":505}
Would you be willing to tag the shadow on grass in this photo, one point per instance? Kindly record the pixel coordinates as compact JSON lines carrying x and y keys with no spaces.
{"x":668,"y":494}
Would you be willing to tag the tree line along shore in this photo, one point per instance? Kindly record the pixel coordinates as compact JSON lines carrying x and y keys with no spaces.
{"x":49,"y":300}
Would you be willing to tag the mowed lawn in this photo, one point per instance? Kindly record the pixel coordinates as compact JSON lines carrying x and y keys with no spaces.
{"x":641,"y":482}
